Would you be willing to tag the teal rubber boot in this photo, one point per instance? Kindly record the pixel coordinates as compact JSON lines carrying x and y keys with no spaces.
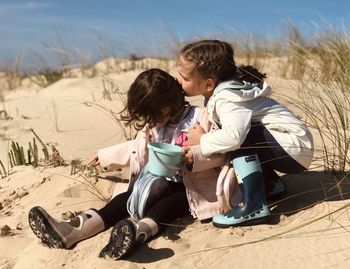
{"x":254,"y":210}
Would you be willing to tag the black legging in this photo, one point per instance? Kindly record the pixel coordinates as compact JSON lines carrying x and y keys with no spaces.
{"x":115,"y":210}
{"x":170,"y":207}
{"x":271,"y":154}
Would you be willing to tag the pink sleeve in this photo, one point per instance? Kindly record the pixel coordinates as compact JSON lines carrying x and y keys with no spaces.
{"x":116,"y":156}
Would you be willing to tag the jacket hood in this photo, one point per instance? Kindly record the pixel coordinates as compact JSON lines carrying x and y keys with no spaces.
{"x":241,"y":93}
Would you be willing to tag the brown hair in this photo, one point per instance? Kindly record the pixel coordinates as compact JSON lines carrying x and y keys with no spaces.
{"x":215,"y":59}
{"x":151,"y":91}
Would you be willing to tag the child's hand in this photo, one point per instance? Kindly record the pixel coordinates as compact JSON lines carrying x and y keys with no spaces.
{"x":94,"y":160}
{"x":187,"y":158}
{"x":95,"y":163}
{"x":194,"y":134}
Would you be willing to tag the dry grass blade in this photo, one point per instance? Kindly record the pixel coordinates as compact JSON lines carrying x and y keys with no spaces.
{"x":324,"y":97}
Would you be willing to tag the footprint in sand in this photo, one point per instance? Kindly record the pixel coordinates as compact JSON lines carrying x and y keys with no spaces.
{"x":7,"y":264}
{"x":75,"y":191}
{"x":6,"y":203}
{"x":20,"y":193}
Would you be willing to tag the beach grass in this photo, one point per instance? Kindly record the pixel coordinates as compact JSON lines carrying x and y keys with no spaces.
{"x":318,"y":65}
{"x":316,"y":68}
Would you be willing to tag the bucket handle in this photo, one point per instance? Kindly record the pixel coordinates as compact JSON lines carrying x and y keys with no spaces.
{"x":171,"y":167}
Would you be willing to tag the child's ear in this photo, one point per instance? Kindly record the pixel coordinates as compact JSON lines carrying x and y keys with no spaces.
{"x":210,"y":84}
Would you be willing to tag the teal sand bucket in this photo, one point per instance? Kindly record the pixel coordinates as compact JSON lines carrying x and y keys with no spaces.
{"x":164,"y":159}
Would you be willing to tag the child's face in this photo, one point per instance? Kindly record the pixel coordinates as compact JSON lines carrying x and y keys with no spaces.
{"x":166,"y":117}
{"x":191,"y":81}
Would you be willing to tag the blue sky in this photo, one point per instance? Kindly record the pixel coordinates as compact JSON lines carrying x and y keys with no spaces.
{"x":139,"y":25}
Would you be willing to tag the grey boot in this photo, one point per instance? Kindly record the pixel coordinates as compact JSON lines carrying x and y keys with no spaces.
{"x":126,"y":235}
{"x":64,"y":234}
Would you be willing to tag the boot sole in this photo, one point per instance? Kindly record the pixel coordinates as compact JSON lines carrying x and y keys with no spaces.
{"x":42,"y":228}
{"x":256,"y":221}
{"x":121,"y":242}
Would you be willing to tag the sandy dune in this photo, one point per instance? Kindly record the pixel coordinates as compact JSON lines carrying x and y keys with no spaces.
{"x":68,"y":114}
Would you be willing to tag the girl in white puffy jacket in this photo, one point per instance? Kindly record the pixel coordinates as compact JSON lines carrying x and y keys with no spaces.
{"x":261,"y":135}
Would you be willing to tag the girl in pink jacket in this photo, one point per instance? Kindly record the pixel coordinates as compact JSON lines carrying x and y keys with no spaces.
{"x":157,"y":107}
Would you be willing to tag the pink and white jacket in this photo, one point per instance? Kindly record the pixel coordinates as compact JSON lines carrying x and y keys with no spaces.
{"x":200,"y":182}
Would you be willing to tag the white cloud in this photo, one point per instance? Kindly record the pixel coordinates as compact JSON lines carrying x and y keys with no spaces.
{"x":9,"y":8}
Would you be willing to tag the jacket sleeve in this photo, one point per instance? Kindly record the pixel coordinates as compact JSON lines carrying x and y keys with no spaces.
{"x":114,"y":157}
{"x":201,"y":162}
{"x":130,"y":153}
{"x":235,"y":123}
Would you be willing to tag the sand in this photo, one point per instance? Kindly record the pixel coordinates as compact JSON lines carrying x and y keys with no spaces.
{"x":309,"y":228}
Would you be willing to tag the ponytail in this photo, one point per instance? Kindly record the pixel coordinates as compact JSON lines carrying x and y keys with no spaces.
{"x":250,"y":74}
